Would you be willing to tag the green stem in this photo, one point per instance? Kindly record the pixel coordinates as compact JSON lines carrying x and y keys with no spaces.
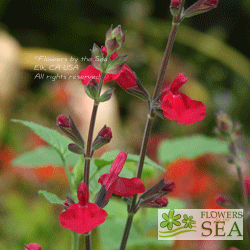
{"x":149,"y":122}
{"x":75,"y":241}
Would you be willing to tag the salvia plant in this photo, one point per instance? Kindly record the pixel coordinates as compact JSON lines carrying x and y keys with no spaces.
{"x":84,"y":209}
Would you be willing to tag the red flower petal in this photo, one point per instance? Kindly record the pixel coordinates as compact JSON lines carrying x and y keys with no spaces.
{"x":104,"y":51}
{"x":118,"y":163}
{"x":83,"y":194}
{"x":177,"y":83}
{"x":82,"y":219}
{"x":182,"y":108}
{"x":125,"y":77}
{"x":110,"y":181}
{"x":129,"y":187}
{"x":88,"y":73}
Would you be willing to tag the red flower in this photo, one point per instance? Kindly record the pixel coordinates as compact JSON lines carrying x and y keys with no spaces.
{"x":125,"y":77}
{"x":82,"y":217}
{"x":121,"y":186}
{"x":178,"y":106}
{"x":32,"y":246}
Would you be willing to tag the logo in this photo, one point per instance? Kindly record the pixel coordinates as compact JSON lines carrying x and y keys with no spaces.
{"x":200,"y":224}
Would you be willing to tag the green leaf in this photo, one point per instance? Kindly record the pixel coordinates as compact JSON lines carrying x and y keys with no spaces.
{"x":78,"y":171}
{"x":52,"y":198}
{"x":190,"y":147}
{"x":51,"y":136}
{"x":115,"y":224}
{"x":108,"y":157}
{"x":43,"y":156}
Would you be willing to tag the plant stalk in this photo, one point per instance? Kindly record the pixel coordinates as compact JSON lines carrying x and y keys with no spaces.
{"x":89,"y":151}
{"x":88,"y":241}
{"x":243,"y":189}
{"x":89,"y":154}
{"x":149,"y":122}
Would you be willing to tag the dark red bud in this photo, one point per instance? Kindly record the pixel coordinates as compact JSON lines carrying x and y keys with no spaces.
{"x":220,"y":199}
{"x":112,"y":45}
{"x":162,"y":201}
{"x":211,"y":3}
{"x":106,"y":133}
{"x":175,"y":3}
{"x":63,"y":121}
{"x":169,"y":186}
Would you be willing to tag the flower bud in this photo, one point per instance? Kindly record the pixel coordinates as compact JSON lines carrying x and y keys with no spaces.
{"x":109,"y":33}
{"x":211,"y":3}
{"x":155,"y":203}
{"x":169,"y":186}
{"x":112,"y":45}
{"x":200,"y":7}
{"x":32,"y":246}
{"x":154,"y":197}
{"x":103,"y":137}
{"x":114,"y":39}
{"x":224,"y":200}
{"x":91,"y":89}
{"x":67,"y":125}
{"x":62,"y":121}
{"x":174,"y":7}
{"x":226,"y":129}
{"x":162,"y":201}
{"x":224,"y":122}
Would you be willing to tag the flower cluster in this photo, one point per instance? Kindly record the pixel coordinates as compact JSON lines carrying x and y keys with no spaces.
{"x":84,"y":216}
{"x":125,"y":77}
